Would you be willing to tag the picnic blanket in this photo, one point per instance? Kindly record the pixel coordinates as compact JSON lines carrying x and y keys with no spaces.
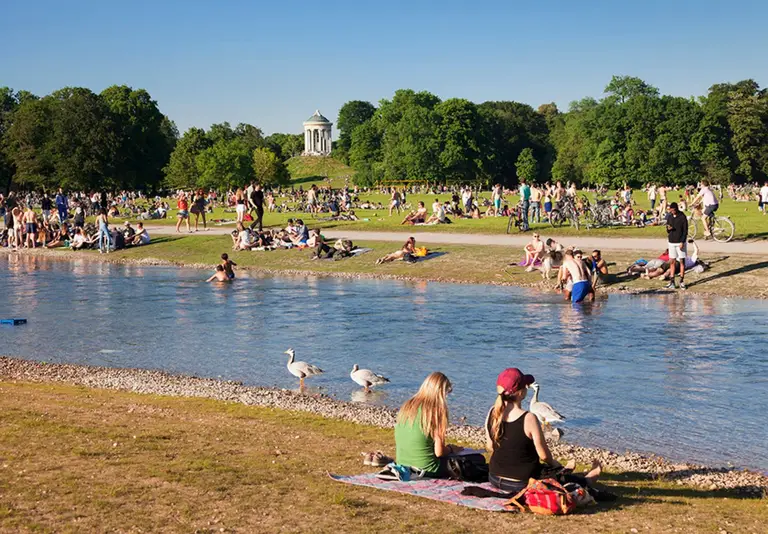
{"x":536,"y":263}
{"x":430,"y":488}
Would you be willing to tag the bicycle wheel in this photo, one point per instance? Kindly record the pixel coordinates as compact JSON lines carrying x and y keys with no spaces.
{"x":556,"y":218}
{"x":723,"y":229}
{"x":692,"y":231}
{"x":510,"y":222}
{"x":575,"y":220}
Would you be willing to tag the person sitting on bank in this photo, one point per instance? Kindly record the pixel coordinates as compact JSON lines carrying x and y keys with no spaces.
{"x":598,"y":267}
{"x":534,"y":251}
{"x":421,"y":426}
{"x":519,"y":451}
{"x":60,"y":238}
{"x":408,"y":248}
{"x":416,"y":217}
{"x":141,"y":237}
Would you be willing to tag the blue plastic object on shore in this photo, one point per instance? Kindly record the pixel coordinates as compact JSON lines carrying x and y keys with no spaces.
{"x":13,"y":321}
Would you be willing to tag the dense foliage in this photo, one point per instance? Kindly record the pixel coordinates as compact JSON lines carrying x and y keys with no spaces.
{"x":119,"y":139}
{"x":633,"y":135}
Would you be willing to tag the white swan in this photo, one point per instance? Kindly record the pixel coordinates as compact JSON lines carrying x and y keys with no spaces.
{"x":301,"y":370}
{"x":546,"y":414}
{"x":366,"y":377}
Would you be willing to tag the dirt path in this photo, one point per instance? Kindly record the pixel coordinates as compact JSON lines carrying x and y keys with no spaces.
{"x":583,"y":242}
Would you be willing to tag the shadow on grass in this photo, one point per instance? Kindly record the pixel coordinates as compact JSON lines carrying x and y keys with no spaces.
{"x":725,"y":274}
{"x":747,"y":492}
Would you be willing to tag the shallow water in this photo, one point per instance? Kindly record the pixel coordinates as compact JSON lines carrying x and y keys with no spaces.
{"x":675,"y":375}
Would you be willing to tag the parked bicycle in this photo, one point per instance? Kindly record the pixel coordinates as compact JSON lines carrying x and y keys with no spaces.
{"x":516,"y":218}
{"x":565,"y":211}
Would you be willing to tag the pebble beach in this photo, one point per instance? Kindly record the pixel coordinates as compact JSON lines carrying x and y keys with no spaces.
{"x":160,"y":383}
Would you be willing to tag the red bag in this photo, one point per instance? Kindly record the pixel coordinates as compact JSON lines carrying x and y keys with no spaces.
{"x":545,"y":497}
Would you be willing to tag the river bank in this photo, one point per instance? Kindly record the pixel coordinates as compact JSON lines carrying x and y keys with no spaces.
{"x":161,"y":383}
{"x":728,"y":276}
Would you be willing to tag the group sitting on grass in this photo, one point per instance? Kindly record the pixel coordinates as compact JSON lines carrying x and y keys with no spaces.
{"x":514,"y":437}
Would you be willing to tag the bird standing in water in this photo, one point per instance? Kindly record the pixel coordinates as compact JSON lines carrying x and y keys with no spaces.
{"x":301,"y":370}
{"x":366,"y":378}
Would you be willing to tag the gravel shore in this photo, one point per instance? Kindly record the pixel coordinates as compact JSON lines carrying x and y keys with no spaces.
{"x":161,"y":383}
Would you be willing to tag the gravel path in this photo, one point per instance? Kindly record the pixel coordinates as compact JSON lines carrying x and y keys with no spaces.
{"x":160,"y":383}
{"x":585,"y":242}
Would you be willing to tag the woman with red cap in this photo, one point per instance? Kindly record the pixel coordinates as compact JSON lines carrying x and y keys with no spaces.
{"x":519,"y":450}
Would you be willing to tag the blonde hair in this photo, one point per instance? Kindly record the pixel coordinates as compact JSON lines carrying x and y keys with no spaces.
{"x":496,"y":419}
{"x":434,"y":408}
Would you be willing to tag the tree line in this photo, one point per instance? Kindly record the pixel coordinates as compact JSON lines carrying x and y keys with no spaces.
{"x":119,"y":139}
{"x":632,"y":135}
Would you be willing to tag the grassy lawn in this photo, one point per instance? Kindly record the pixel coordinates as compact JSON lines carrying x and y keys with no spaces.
{"x":306,"y":171}
{"x":75,"y":459}
{"x":750,"y":223}
{"x":732,"y":275}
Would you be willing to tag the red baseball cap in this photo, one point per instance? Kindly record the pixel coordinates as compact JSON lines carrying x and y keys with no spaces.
{"x":513,"y":380}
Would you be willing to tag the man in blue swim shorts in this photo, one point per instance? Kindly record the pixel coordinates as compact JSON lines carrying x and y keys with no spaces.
{"x":575,"y":271}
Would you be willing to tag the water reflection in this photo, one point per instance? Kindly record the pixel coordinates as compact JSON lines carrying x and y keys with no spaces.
{"x":658,"y":374}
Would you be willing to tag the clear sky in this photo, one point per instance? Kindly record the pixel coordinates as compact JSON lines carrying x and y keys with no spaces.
{"x":273,"y":63}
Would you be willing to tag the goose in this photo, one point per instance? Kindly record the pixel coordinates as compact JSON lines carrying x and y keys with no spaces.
{"x":301,"y":369}
{"x":542,"y":410}
{"x":366,"y":377}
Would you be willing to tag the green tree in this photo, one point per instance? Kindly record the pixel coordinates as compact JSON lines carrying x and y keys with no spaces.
{"x":622,"y":88}
{"x":285,"y":145}
{"x":366,"y":154}
{"x":459,"y":134}
{"x":84,"y":143}
{"x":527,"y":167}
{"x":748,"y":121}
{"x":226,"y":164}
{"x":351,"y":115}
{"x":268,"y":168}
{"x":28,"y":143}
{"x":182,"y":171}
{"x":145,"y":137}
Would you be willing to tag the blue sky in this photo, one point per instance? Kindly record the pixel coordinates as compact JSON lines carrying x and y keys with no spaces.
{"x":273,"y":63}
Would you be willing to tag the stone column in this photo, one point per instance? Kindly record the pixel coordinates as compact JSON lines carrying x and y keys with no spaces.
{"x":306,"y":140}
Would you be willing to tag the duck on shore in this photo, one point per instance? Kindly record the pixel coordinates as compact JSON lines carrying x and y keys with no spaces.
{"x":546,"y":414}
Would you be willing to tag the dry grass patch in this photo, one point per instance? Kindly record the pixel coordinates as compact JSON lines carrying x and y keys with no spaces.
{"x":74,"y":459}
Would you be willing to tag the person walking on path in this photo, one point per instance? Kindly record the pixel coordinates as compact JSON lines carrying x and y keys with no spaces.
{"x":652,"y":195}
{"x":198,"y":208}
{"x":183,"y":206}
{"x":677,"y":234}
{"x":257,"y":203}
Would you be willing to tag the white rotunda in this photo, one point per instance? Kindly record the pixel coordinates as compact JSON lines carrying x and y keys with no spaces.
{"x":317,"y":135}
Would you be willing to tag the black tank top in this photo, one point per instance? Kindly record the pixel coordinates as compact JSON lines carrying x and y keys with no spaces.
{"x":516,"y":455}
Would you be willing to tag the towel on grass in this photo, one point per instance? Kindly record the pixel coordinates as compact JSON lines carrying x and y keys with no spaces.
{"x":431,"y":488}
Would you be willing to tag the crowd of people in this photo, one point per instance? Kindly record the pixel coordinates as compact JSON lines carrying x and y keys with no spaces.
{"x":65,"y":226}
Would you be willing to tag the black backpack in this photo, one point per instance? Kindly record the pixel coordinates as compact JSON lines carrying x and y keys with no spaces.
{"x":469,"y":468}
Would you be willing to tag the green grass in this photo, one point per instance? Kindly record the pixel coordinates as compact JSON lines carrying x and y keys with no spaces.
{"x":750,"y":223}
{"x":308,"y":170}
{"x":730,"y":275}
{"x":75,"y":459}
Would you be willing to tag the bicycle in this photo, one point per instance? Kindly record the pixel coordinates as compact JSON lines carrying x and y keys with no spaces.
{"x":722,"y":228}
{"x":516,"y":218}
{"x":565,"y":210}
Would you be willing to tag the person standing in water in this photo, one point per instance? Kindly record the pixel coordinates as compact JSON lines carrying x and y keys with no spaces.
{"x":219,"y":275}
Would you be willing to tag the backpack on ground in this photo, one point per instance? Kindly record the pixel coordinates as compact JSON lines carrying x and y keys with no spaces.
{"x":469,"y":468}
{"x":544,"y":497}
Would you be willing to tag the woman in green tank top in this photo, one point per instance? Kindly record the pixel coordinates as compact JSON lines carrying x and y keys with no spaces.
{"x":421,"y":425}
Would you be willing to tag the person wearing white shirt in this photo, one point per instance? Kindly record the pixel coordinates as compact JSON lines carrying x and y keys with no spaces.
{"x":764,"y":197}
{"x":709,"y":203}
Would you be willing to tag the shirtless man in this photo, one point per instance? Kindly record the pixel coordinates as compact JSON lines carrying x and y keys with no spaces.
{"x":18,"y":229}
{"x":30,"y":225}
{"x":219,"y":275}
{"x":573,"y":269}
{"x":534,"y":251}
